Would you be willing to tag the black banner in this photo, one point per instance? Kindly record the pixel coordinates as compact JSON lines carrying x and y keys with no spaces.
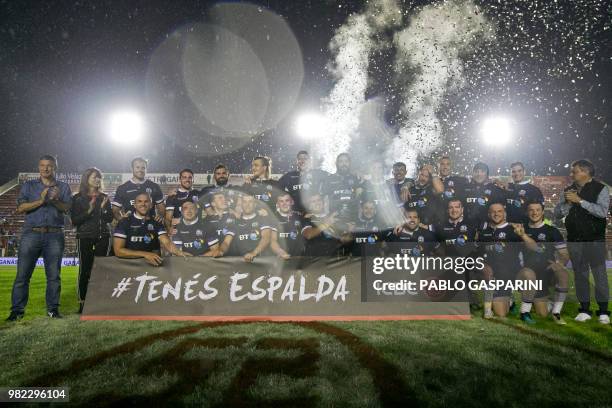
{"x":201,"y":288}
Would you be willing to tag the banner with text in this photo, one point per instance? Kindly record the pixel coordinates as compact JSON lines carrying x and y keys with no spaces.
{"x":230,"y":289}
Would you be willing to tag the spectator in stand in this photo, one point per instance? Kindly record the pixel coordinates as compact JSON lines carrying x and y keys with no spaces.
{"x":91,"y":215}
{"x":44,"y":202}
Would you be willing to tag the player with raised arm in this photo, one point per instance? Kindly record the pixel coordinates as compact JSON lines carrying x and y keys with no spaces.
{"x":544,"y":263}
{"x":322,"y":238}
{"x":140,"y":236}
{"x":423,"y":196}
{"x":502,"y":243}
{"x":400,"y":184}
{"x":192,"y":235}
{"x":125,"y":196}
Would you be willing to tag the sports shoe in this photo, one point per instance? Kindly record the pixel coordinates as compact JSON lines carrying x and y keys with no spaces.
{"x":604,"y":319}
{"x":582,"y":317}
{"x":14,"y":316}
{"x":558,"y":319}
{"x":54,"y":314}
{"x":526,"y":317}
{"x":81,"y":305}
{"x":488,"y":314}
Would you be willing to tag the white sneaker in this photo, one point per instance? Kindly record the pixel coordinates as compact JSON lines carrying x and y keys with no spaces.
{"x":488,"y":314}
{"x":583,"y":317}
{"x":604,"y":319}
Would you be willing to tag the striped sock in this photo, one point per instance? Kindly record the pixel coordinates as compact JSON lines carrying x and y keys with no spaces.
{"x":526,"y":307}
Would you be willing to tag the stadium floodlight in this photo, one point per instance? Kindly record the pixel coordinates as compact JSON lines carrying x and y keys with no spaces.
{"x":496,"y":131}
{"x":311,"y":126}
{"x":126,"y":127}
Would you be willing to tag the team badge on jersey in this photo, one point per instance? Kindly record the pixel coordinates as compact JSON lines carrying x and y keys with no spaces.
{"x":522,"y":192}
{"x":148,"y":190}
{"x":150,"y":227}
{"x":463,"y":228}
{"x":421,"y":239}
{"x":199,"y":233}
{"x":451,"y":183}
{"x":541,"y":237}
{"x":502,"y":235}
{"x":487,"y":192}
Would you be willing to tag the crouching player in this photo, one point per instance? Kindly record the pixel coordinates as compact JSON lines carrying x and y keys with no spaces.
{"x":502,"y":245}
{"x":140,"y":236}
{"x":412,"y":239}
{"x":542,"y":261}
{"x":191,"y":234}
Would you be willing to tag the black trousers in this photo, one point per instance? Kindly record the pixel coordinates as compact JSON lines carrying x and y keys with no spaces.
{"x":88,"y":249}
{"x":590,"y":257}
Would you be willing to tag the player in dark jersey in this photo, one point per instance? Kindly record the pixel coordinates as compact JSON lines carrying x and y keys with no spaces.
{"x":252,"y":231}
{"x":456,"y":234}
{"x":412,"y":239}
{"x":543,"y":262}
{"x":191,"y":234}
{"x":286,"y":238}
{"x":220,"y":222}
{"x":123,"y":202}
{"x":183,"y":193}
{"x":260,"y":185}
{"x":400,"y":184}
{"x":480,"y":193}
{"x":423,"y":197}
{"x":454,"y":185}
{"x":343,"y":190}
{"x":458,"y":239}
{"x":139,"y":236}
{"x":302,"y":181}
{"x":383,"y":195}
{"x":322,"y":238}
{"x":502,"y":243}
{"x":367,"y":230}
{"x":519,"y":193}
{"x":221,"y":177}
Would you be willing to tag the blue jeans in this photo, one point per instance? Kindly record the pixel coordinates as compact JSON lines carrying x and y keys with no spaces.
{"x":33,"y":245}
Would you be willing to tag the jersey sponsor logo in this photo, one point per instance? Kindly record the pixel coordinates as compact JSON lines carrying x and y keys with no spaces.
{"x":499,"y":247}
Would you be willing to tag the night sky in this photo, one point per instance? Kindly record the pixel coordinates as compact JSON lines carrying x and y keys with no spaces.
{"x":66,"y":65}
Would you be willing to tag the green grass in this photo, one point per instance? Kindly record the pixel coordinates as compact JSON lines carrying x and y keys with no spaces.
{"x":424,"y":363}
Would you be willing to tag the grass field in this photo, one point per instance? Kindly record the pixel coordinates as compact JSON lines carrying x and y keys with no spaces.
{"x":408,"y":363}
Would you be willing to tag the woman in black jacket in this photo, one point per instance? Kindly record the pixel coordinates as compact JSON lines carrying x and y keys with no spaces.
{"x":91,"y":213}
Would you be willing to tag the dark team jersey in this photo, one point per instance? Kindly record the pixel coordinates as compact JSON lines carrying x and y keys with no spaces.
{"x":230,"y":192}
{"x":456,"y":237}
{"x":426,"y":202}
{"x":454,"y":187}
{"x":412,"y":243}
{"x":140,"y":234}
{"x":248,"y":233}
{"x":127,"y":192}
{"x":289,"y":230}
{"x":193,"y":237}
{"x":379,"y":193}
{"x":221,"y":225}
{"x":174,"y":202}
{"x":366,"y":232}
{"x":549,"y":240}
{"x":518,"y":196}
{"x":341,"y":192}
{"x":298,"y":184}
{"x":325,"y":244}
{"x":396,"y":188}
{"x":501,"y":247}
{"x":478,"y":198}
{"x":265,"y":191}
